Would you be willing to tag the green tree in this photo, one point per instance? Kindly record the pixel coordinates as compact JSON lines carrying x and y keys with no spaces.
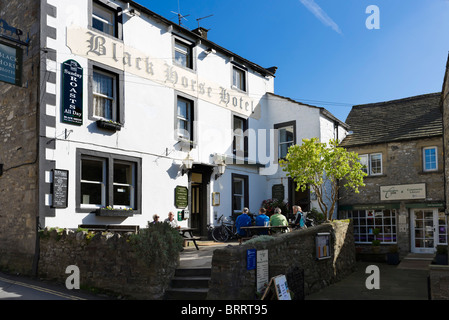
{"x":324,"y":168}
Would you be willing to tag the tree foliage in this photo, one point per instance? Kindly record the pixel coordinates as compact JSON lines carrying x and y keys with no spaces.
{"x":324,"y":168}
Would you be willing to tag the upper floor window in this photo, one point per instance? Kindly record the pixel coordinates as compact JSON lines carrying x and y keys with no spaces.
{"x":184,"y":118}
{"x":239,"y":78}
{"x":240,"y":142}
{"x":104,"y":19}
{"x":183,"y":54}
{"x":286,"y":137}
{"x":104,"y":91}
{"x":372,"y":163}
{"x":430,"y":159}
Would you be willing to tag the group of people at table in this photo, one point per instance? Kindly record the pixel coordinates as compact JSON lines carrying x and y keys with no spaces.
{"x":263,"y":223}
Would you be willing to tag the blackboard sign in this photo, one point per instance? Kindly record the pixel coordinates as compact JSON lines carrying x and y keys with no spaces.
{"x":60,"y":188}
{"x":72,"y":92}
{"x":181,"y":197}
{"x":277,"y":192}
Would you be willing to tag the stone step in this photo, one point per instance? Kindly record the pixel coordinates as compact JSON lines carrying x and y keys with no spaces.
{"x":186,"y":294}
{"x":193,"y":272}
{"x":190,"y":282}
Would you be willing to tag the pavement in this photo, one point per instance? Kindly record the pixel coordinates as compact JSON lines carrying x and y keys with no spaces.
{"x":406,"y":281}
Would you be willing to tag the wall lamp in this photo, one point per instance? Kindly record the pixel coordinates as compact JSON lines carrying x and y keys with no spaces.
{"x":221,"y":168}
{"x":187,"y":164}
{"x":220,"y":161}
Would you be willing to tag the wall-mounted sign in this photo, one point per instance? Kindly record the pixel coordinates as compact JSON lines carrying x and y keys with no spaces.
{"x":278,"y":192}
{"x":181,"y":197}
{"x":60,"y":188}
{"x":323,"y":245}
{"x":11,"y":64}
{"x":95,"y":46}
{"x":72,"y":92}
{"x":403,"y":192}
{"x":262,"y":270}
{"x":251,"y":259}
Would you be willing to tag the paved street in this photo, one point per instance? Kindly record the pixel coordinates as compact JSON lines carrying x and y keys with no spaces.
{"x":21,"y":288}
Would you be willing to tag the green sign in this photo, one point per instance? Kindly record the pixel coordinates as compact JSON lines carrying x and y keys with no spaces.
{"x":181,"y":197}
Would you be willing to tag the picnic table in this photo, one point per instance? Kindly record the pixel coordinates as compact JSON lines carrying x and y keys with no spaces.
{"x":187,"y":234}
{"x":256,"y":230}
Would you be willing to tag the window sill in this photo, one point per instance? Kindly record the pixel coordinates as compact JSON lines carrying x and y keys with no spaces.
{"x":109,"y":125}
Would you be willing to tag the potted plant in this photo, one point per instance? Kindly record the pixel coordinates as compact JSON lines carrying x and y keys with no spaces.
{"x":393,"y":255}
{"x":111,"y":212}
{"x":376,"y":243}
{"x":441,"y":255}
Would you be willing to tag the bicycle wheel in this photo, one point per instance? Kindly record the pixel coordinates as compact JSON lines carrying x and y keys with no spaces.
{"x":220,"y":234}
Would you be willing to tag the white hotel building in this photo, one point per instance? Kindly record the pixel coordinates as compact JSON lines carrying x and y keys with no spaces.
{"x":127,"y":97}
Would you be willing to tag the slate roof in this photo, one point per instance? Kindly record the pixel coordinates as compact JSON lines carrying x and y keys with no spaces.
{"x":396,"y":120}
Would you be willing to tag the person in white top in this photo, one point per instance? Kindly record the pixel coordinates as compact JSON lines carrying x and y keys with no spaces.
{"x":171,"y":220}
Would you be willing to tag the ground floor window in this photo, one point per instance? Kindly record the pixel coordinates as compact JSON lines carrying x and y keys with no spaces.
{"x":366,"y":221}
{"x":107,"y":180}
{"x":240,"y":194}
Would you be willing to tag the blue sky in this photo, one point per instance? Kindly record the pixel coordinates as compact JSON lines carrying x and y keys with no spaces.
{"x":325,"y":54}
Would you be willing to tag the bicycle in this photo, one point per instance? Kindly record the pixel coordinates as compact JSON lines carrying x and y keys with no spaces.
{"x":224,"y":232}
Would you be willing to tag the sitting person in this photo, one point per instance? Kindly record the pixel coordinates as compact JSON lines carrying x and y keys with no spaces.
{"x":299,"y":217}
{"x":172,"y":221}
{"x":278,"y":219}
{"x":262,"y":220}
{"x":243,"y":220}
{"x":155,"y":219}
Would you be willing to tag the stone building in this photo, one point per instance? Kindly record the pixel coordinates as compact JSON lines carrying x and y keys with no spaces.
{"x":400,"y":143}
{"x":115,"y":113}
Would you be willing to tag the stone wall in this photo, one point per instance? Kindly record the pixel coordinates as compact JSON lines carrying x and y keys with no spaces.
{"x":107,"y":262}
{"x":231,"y":280}
{"x":19,"y":107}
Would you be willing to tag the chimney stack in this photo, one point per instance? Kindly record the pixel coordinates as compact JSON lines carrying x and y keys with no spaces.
{"x":202,"y":32}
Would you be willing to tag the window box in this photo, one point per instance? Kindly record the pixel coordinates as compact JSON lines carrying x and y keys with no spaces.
{"x":105,"y":212}
{"x":109,"y":125}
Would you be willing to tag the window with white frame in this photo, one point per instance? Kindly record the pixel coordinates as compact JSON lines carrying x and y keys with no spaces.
{"x":372,"y":163}
{"x":286,"y":140}
{"x":239,"y":78}
{"x":124,"y":184}
{"x":104,"y":19}
{"x":93,"y":182}
{"x":183,"y":54}
{"x":430,"y":159}
{"x":240,"y":143}
{"x":366,"y":222}
{"x":240,"y":196}
{"x":104,"y":91}
{"x":184,"y":118}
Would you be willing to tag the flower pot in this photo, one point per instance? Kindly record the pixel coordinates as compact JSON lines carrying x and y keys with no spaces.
{"x":441,"y":259}
{"x":114,"y":213}
{"x":109,"y":125}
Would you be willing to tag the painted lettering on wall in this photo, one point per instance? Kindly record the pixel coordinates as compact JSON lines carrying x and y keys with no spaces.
{"x":96,"y":47}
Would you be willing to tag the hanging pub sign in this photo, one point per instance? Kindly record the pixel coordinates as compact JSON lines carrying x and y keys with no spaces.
{"x":11,"y":58}
{"x":72,"y":92}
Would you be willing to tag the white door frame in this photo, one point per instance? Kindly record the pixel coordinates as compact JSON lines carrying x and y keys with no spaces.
{"x":424,"y":230}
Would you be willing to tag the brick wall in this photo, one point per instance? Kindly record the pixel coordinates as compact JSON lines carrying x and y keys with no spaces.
{"x":18,"y":144}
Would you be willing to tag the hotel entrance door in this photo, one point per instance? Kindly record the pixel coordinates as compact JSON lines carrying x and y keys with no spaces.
{"x":428,"y":229}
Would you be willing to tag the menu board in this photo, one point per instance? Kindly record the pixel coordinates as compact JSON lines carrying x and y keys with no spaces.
{"x":60,"y":188}
{"x":323,"y":246}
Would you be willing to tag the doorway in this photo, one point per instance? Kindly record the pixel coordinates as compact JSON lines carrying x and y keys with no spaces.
{"x":428,"y":229}
{"x":300,"y":198}
{"x":199,"y":187}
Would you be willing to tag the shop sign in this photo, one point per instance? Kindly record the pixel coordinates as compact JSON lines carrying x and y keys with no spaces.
{"x":11,"y":64}
{"x":403,"y":192}
{"x":72,"y":92}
